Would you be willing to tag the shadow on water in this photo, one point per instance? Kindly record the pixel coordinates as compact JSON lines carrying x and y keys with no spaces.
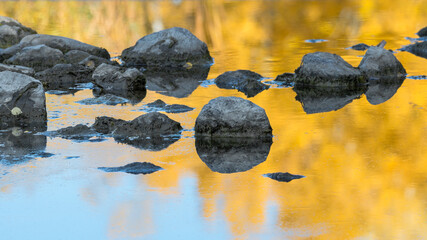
{"x":325,"y":99}
{"x":176,"y":83}
{"x":18,"y":147}
{"x":381,"y":90}
{"x":230,"y":155}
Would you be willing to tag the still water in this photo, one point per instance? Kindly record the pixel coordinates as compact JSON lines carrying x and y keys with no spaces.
{"x":364,"y":164}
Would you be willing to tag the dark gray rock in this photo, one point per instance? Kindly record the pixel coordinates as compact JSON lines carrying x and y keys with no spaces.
{"x":159,"y":105}
{"x":133,"y":96}
{"x":64,"y":76}
{"x":114,"y":79}
{"x":22,"y":102}
{"x":19,"y":69}
{"x":419,"y":49}
{"x":134,"y":168}
{"x":422,"y":32}
{"x":75,"y":56}
{"x":360,"y":47}
{"x":381,"y":90}
{"x":379,"y":62}
{"x":327,"y":70}
{"x":39,"y":57}
{"x":12,"y":31}
{"x":78,"y":132}
{"x":230,"y":155}
{"x":232,"y":117}
{"x":285,"y":79}
{"x":107,"y":99}
{"x":326,"y":99}
{"x":243,"y":80}
{"x":283,"y":177}
{"x":174,"y":47}
{"x":152,"y":143}
{"x":177,"y":83}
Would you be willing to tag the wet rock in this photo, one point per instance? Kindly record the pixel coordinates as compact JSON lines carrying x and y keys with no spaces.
{"x":174,"y":47}
{"x":230,"y":155}
{"x":134,"y":168}
{"x":422,"y":32}
{"x":133,"y":96}
{"x":78,"y":132}
{"x":283,"y":177}
{"x":285,"y":79}
{"x":179,"y":83}
{"x":379,"y":62}
{"x":12,"y":31}
{"x":326,"y":99}
{"x":381,"y":90}
{"x":107,"y":99}
{"x":159,"y":105}
{"x":75,"y":56}
{"x":113,"y":79}
{"x":17,"y":146}
{"x":232,"y":117}
{"x":64,"y":76}
{"x":19,"y":69}
{"x":39,"y":57}
{"x":418,"y":49}
{"x":327,"y":70}
{"x":22,"y":102}
{"x":243,"y":80}
{"x":360,"y":47}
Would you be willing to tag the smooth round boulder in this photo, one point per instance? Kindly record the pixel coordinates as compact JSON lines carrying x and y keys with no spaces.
{"x":232,"y":117}
{"x":379,"y":62}
{"x":174,"y":47}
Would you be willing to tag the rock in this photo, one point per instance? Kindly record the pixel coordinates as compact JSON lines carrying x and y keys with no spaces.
{"x":75,"y":56}
{"x":379,"y":62}
{"x":283,"y":177}
{"x":22,"y":102}
{"x":159,"y":105}
{"x":360,"y":47}
{"x":230,"y":155}
{"x":63,"y":44}
{"x":156,"y":143}
{"x":285,"y":79}
{"x":12,"y":31}
{"x":18,"y":146}
{"x":115,"y":79}
{"x":19,"y":69}
{"x":174,"y":47}
{"x":64,"y":76}
{"x":93,"y":62}
{"x":39,"y":57}
{"x":418,"y":49}
{"x":107,"y":125}
{"x":422,"y":32}
{"x":381,"y":90}
{"x":107,"y":99}
{"x":78,"y":132}
{"x":134,"y":168}
{"x":326,"y":99}
{"x":243,"y":80}
{"x":177,"y":83}
{"x":131,"y":96}
{"x":232,"y":117}
{"x":327,"y":70}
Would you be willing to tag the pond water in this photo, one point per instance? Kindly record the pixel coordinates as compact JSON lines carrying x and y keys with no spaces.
{"x":364,"y":163}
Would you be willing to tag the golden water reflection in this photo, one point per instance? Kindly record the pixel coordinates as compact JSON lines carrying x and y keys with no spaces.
{"x":365,"y":164}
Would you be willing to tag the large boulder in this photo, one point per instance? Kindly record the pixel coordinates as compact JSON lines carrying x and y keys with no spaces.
{"x":174,"y":47}
{"x":418,"y":49}
{"x":232,"y":117}
{"x":12,"y":31}
{"x":244,"y":81}
{"x":379,"y":62}
{"x":39,"y":57}
{"x":22,"y":102}
{"x":327,"y":70}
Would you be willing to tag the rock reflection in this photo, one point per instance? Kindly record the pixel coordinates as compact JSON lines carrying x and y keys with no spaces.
{"x":325,"y":99}
{"x":230,"y":155}
{"x":383,"y":89}
{"x":177,"y":83}
{"x":17,"y":146}
{"x":151,"y":144}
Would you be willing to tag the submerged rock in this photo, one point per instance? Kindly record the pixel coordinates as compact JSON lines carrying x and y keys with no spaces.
{"x":243,"y":80}
{"x":326,"y":99}
{"x":39,"y":57}
{"x":285,"y":79}
{"x":283,"y":177}
{"x":78,"y":132}
{"x":18,"y":146}
{"x":134,"y":168}
{"x":179,"y":83}
{"x":151,"y":143}
{"x":379,"y":62}
{"x":12,"y":31}
{"x":418,"y":49}
{"x":327,"y":70}
{"x":159,"y":105}
{"x":360,"y":47}
{"x":107,"y":99}
{"x":174,"y":47}
{"x":381,"y":90}
{"x":22,"y":102}
{"x":64,"y":76}
{"x":422,"y":32}
{"x":232,"y":117}
{"x":230,"y":155}
{"x":19,"y":69}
